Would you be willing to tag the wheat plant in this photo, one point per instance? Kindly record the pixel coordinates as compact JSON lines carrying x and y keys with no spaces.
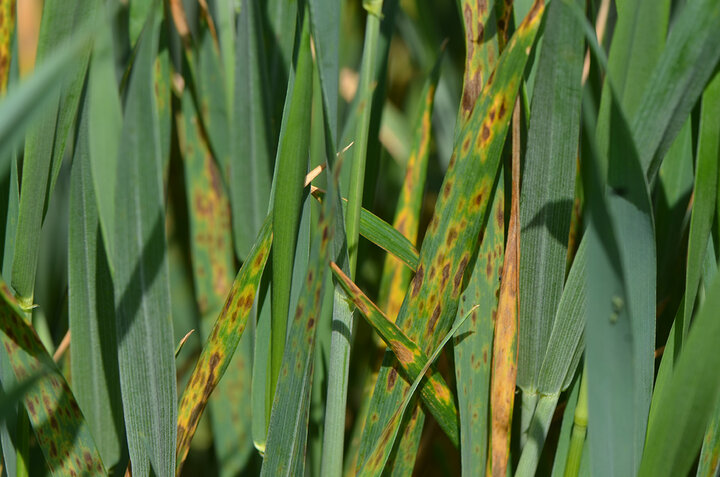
{"x":338,"y":238}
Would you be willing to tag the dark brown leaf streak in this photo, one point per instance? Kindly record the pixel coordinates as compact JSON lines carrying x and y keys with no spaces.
{"x":60,"y":429}
{"x":436,"y":394}
{"x":472,"y":176}
{"x":219,"y":348}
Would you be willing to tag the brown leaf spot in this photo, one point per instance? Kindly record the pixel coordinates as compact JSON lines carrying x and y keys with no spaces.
{"x":404,"y":355}
{"x":478,"y":197}
{"x":465,"y":147}
{"x":363,"y":307}
{"x":214,"y":360}
{"x":502,"y":111}
{"x":433,"y":318}
{"x":258,"y":260}
{"x":193,"y":420}
{"x":203,"y":205}
{"x":473,"y":87}
{"x":451,"y":236}
{"x":446,"y":189}
{"x":392,"y":378}
{"x":445,"y":274}
{"x":491,"y":78}
{"x":537,"y":6}
{"x":299,"y":311}
{"x":485,"y":133}
{"x":457,"y":280}
{"x":417,"y":281}
{"x":441,"y":391}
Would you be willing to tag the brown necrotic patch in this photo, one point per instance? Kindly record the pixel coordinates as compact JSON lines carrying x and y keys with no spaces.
{"x":445,"y":274}
{"x":502,"y":111}
{"x":451,"y":236}
{"x":485,"y":133}
{"x":417,"y":281}
{"x":403,"y":354}
{"x":392,"y":378}
{"x":257,"y":263}
{"x":457,"y":280}
{"x":434,"y":318}
{"x":446,"y":189}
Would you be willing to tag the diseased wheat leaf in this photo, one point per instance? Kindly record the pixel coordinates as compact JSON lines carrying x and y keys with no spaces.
{"x":208,"y":212}
{"x":60,"y":430}
{"x":480,"y":56}
{"x":431,"y":304}
{"x":211,"y":97}
{"x":220,"y":346}
{"x":473,"y":345}
{"x":474,"y":341}
{"x":211,"y":250}
{"x":504,"y":355}
{"x":436,"y":394}
{"x":375,"y":463}
{"x":396,"y":276}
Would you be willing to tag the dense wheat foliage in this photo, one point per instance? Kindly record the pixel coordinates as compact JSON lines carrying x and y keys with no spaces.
{"x":359,"y":237}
